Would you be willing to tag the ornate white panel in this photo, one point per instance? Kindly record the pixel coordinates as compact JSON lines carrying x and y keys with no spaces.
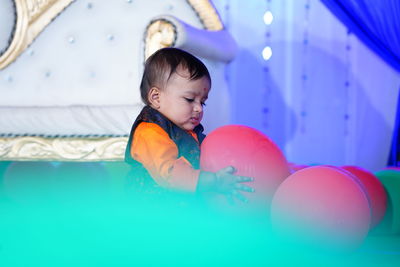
{"x":73,"y":68}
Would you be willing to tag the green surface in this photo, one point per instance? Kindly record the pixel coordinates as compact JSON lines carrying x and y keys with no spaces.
{"x":139,"y":232}
{"x":85,"y":216}
{"x":391,"y":181}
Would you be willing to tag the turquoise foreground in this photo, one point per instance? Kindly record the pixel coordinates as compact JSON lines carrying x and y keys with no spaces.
{"x":106,"y":224}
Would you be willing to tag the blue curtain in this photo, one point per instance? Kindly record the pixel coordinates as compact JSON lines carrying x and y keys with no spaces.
{"x":374,"y":22}
{"x":377,"y":24}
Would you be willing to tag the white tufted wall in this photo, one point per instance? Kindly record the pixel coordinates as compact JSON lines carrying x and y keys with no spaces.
{"x":81,"y":75}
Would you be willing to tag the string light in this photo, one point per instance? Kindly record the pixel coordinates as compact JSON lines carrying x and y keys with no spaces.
{"x":266,"y":55}
{"x":347,"y":84}
{"x":226,"y":19}
{"x":304,"y":68}
{"x":268,"y":17}
{"x":227,"y":9}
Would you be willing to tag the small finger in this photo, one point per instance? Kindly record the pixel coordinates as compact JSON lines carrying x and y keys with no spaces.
{"x":239,"y":196}
{"x":243,"y":187}
{"x":244,"y":179}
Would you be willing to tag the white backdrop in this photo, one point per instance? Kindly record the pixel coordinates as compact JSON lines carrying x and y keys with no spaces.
{"x":81,"y":75}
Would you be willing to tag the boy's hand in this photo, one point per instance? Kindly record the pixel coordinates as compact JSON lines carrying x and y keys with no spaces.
{"x":225,"y":182}
{"x":230,"y":185}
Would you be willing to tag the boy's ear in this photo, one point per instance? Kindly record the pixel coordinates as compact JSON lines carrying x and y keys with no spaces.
{"x":154,"y":97}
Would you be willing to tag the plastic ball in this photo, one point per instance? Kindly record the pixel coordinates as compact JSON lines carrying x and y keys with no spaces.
{"x":375,"y":191}
{"x":390,"y":179}
{"x":321,"y":207}
{"x":252,"y":154}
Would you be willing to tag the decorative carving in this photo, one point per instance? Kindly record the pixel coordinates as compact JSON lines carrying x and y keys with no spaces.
{"x":66,"y":149}
{"x":32,"y":17}
{"x":37,"y":7}
{"x":207,"y":14}
{"x":159,"y":34}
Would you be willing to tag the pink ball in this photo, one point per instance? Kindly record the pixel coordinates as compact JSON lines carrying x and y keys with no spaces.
{"x":375,"y":191}
{"x":253,"y":154}
{"x":321,"y":206}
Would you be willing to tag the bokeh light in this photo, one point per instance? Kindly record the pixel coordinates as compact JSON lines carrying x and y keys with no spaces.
{"x":267,"y":53}
{"x":268,"y":17}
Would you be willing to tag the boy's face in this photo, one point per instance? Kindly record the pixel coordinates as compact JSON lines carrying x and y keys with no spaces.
{"x":182,"y":100}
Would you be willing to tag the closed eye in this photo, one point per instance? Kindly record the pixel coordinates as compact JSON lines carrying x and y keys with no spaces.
{"x":191,"y":100}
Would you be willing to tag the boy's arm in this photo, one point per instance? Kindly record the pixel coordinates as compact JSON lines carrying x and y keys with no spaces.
{"x":153,"y":148}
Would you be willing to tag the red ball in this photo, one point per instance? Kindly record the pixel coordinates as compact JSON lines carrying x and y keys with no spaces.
{"x":375,"y":191}
{"x":253,"y":154}
{"x":321,"y":206}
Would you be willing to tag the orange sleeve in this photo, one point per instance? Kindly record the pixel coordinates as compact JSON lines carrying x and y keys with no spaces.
{"x":157,"y":152}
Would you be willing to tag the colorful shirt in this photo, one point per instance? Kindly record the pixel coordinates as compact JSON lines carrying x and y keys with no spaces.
{"x":169,"y":154}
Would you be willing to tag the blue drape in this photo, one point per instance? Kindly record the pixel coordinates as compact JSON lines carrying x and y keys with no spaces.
{"x":374,"y":22}
{"x":377,"y":24}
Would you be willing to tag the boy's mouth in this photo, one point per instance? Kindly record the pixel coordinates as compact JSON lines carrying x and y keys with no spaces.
{"x":194,"y":120}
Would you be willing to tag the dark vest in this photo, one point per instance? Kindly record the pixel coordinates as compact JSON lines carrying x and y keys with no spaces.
{"x":187,"y":145}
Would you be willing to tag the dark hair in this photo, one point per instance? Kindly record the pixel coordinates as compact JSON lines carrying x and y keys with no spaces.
{"x":162,"y":64}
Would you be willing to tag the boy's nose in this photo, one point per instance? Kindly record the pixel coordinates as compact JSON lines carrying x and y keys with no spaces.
{"x":198,"y":107}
